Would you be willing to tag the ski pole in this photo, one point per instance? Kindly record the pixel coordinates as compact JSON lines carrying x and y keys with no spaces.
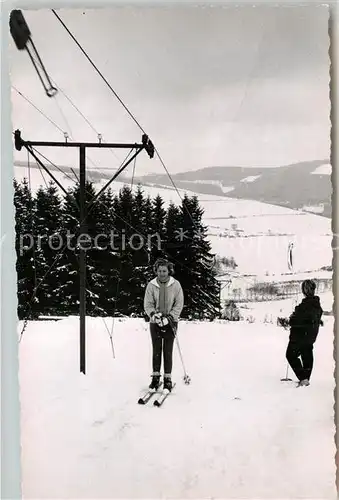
{"x":290,"y":266}
{"x":286,"y":379}
{"x":187,"y":378}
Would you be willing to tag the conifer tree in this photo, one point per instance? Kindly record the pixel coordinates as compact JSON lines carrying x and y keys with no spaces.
{"x":140,"y":229}
{"x":48,"y":224}
{"x":173,"y":242}
{"x":127,"y":282}
{"x":196,"y":268}
{"x":101,"y":259}
{"x":95,"y":242}
{"x":67,"y":265}
{"x":25,"y":250}
{"x":156,"y":229}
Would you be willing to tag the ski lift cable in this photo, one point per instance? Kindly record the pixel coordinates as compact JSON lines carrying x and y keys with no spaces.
{"x":42,"y":175}
{"x":175,"y":187}
{"x":47,"y":117}
{"x":64,"y":173}
{"x":87,"y":121}
{"x":110,"y":331}
{"x":56,"y":166}
{"x":40,"y":170}
{"x":122,"y":103}
{"x":88,"y":289}
{"x":155,"y":246}
{"x":118,"y":285}
{"x":39,"y":110}
{"x":133,"y":173}
{"x":142,"y":235}
{"x":78,"y":110}
{"x":70,"y":130}
{"x":98,"y":71}
{"x":81,"y":114}
{"x":62,"y":114}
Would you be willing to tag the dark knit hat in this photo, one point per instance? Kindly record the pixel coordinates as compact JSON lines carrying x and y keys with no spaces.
{"x":308,"y":287}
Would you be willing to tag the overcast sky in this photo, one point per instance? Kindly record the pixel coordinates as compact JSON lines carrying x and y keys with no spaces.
{"x":244,"y":86}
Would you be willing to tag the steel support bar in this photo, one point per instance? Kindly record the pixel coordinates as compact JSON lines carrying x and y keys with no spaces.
{"x":114,"y":177}
{"x":39,"y":162}
{"x":100,"y":145}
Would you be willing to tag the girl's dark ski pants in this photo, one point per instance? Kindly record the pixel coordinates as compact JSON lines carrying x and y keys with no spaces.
{"x":162,"y":341}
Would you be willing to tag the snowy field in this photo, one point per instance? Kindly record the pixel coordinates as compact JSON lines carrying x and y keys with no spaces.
{"x":235,"y":286}
{"x":236,"y":432}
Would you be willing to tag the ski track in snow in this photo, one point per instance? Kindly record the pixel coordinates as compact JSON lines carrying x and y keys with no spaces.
{"x":236,"y":432}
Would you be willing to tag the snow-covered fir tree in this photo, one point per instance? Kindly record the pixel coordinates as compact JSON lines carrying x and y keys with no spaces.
{"x":142,"y":269}
{"x":156,"y":227}
{"x":28,"y":307}
{"x":151,"y":241}
{"x":140,"y":229}
{"x":67,"y":292}
{"x":48,"y":225}
{"x":173,"y":241}
{"x":196,"y":269}
{"x":127,"y":278}
{"x":99,"y":224}
{"x":108,"y":263}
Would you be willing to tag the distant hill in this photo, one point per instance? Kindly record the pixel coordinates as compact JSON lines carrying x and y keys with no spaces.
{"x":94,"y":175}
{"x":245,"y":229}
{"x":292,"y":186}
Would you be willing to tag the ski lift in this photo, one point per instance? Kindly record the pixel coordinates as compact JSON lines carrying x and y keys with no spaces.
{"x":22,"y":37}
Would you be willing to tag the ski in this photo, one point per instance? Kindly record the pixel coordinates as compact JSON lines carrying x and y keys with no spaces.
{"x":158,"y":402}
{"x":148,"y":395}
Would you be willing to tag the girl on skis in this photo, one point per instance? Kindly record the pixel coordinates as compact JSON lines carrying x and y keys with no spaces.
{"x":163,"y":303}
{"x":304,"y":327}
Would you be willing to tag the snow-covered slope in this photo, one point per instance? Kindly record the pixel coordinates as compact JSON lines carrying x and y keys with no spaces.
{"x":325,"y":169}
{"x":236,"y":432}
{"x":261,"y":232}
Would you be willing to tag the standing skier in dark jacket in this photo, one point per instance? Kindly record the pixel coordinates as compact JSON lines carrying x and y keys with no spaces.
{"x":304,"y":327}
